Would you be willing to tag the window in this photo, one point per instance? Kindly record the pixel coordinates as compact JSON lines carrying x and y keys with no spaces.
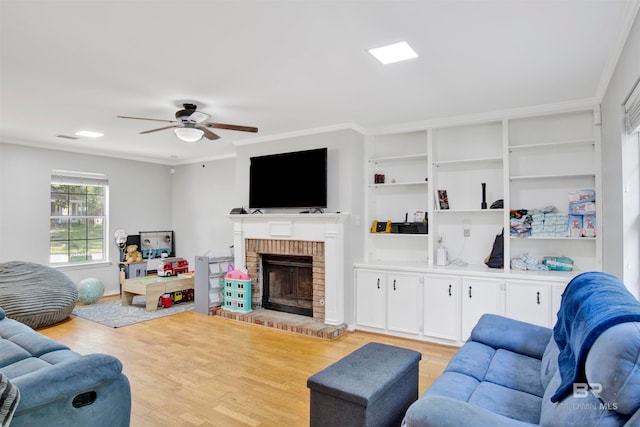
{"x":632,"y":111}
{"x":78,"y":221}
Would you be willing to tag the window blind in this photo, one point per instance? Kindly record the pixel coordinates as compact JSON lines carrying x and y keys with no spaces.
{"x":632,"y":111}
{"x":78,"y":178}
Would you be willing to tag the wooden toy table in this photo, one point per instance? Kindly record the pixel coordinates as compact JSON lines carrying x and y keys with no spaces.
{"x":152,"y":287}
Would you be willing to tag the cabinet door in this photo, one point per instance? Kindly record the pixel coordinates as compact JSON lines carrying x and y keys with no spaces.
{"x":441,"y":307}
{"x":480,"y":296}
{"x":370,"y":298}
{"x":403,"y":291}
{"x":529,"y":302}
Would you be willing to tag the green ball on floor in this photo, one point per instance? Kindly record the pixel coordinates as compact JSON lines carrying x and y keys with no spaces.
{"x":90,"y":290}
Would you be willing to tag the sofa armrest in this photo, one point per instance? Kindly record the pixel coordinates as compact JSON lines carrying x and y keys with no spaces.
{"x":66,"y":379}
{"x":510,"y":334}
{"x":440,"y":411}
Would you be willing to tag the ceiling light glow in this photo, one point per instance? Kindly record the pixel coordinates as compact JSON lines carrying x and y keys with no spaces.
{"x":393,"y":53}
{"x":189,"y":134}
{"x":89,"y":134}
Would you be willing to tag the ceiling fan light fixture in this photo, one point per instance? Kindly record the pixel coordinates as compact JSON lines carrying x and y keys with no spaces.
{"x":189,"y":134}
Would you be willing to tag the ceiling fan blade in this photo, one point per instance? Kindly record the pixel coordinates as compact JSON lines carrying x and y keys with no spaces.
{"x":207,"y":133}
{"x":143,"y":118}
{"x":156,"y":130}
{"x":231,"y":127}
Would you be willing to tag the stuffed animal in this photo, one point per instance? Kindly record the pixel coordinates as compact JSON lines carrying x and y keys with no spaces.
{"x":133,"y":254}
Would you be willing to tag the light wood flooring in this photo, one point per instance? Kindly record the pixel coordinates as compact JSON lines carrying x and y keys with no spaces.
{"x":196,"y":370}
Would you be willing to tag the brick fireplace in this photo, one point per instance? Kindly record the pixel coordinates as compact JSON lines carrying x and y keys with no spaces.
{"x":255,"y":248}
{"x":320,"y":236}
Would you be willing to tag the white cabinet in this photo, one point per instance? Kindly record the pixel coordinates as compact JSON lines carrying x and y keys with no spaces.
{"x":480,"y":296}
{"x":403,"y":309}
{"x":529,"y":302}
{"x":371,"y":291}
{"x":442,"y":307}
{"x":389,"y":300}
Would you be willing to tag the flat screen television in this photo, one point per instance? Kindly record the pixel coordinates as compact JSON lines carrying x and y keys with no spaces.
{"x":289,"y":180}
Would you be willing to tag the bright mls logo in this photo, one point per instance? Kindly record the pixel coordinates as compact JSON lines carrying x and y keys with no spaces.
{"x":582,"y":390}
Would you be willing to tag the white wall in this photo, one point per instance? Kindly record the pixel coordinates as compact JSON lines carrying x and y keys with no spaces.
{"x":620,"y":225}
{"x":203,"y":194}
{"x":139,"y":200}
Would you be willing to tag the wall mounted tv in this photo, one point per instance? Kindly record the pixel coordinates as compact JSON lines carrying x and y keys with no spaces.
{"x":289,"y":180}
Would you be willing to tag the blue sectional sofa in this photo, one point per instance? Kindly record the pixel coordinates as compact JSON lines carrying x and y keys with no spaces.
{"x":583,"y":372}
{"x":59,"y":387}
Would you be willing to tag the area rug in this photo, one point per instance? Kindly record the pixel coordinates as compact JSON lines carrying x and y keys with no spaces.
{"x":116,"y":315}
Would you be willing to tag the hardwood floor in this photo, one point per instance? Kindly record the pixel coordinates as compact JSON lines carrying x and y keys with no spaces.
{"x":196,"y":370}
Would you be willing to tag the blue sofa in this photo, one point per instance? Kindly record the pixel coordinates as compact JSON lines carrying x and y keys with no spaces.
{"x":583,"y":372}
{"x":59,"y":387}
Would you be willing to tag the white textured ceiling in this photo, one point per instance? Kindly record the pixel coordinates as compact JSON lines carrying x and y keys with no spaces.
{"x":287,"y":66}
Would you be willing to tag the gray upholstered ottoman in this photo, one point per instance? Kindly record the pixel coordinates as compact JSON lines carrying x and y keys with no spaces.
{"x":35,"y":294}
{"x":373,"y":386}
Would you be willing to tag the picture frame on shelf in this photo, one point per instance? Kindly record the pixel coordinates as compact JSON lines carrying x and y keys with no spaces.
{"x":442,"y":199}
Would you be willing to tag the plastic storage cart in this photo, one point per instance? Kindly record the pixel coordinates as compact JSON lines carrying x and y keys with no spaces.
{"x":209,"y":281}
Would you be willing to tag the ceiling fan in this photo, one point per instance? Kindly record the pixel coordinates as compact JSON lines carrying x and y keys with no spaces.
{"x":191,"y":125}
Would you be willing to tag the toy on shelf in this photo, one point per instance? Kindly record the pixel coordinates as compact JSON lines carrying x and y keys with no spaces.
{"x":133,"y":254}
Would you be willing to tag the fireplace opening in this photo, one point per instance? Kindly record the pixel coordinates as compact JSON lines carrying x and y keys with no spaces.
{"x":287,"y":284}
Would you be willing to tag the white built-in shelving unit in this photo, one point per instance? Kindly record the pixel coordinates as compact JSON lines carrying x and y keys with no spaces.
{"x":530,"y":161}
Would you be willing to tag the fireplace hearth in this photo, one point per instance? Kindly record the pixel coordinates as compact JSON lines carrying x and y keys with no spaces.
{"x":288,"y":284}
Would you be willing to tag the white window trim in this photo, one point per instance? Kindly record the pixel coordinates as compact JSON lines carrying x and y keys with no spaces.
{"x":632,"y":111}
{"x":85,"y":178}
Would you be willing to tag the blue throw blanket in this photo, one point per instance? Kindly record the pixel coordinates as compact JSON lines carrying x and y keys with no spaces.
{"x":591,"y":303}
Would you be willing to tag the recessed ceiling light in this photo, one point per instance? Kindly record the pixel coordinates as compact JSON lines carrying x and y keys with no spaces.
{"x":393,"y":53}
{"x":89,"y":134}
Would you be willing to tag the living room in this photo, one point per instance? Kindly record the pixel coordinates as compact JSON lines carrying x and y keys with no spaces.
{"x":194,"y":196}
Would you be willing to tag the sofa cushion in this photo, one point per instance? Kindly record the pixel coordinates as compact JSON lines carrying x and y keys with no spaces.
{"x":11,"y":353}
{"x":454,"y":385}
{"x":472,"y":359}
{"x":614,"y":363}
{"x":24,"y":367}
{"x":511,"y":403}
{"x":37,"y":344}
{"x":59,"y":356}
{"x":498,"y":380}
{"x":515,"y":371}
{"x":510,"y":334}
